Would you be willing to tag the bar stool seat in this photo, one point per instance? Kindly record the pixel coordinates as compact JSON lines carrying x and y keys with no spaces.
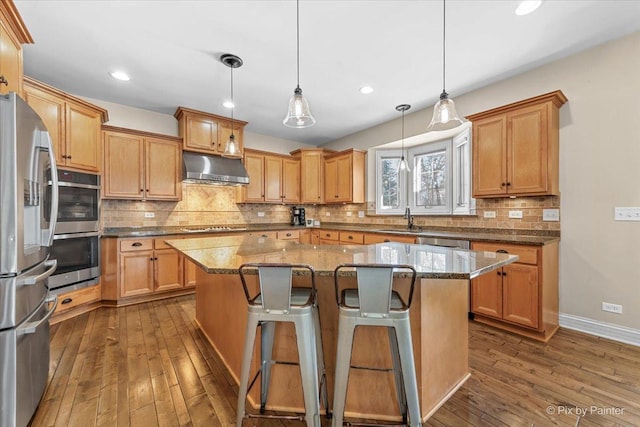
{"x":278,"y":301}
{"x":376,"y":303}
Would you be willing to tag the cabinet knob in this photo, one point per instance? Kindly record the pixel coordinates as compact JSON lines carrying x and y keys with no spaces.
{"x":288,"y":234}
{"x":350,"y":237}
{"x":136,"y":244}
{"x":151,"y":259}
{"x":387,"y":240}
{"x":66,"y":301}
{"x":508,"y":184}
{"x":4,"y":81}
{"x":502,"y":251}
{"x":503,"y":184}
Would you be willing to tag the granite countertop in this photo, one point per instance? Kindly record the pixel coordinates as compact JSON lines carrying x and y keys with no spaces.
{"x":224,"y":254}
{"x":528,"y":237}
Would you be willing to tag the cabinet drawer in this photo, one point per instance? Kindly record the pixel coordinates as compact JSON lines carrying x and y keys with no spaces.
{"x":136,"y":245}
{"x":264,"y":234}
{"x":353,"y":238}
{"x":73,"y":299}
{"x":527,"y":254}
{"x":329,"y":235}
{"x":160,"y":244}
{"x":289,"y":235}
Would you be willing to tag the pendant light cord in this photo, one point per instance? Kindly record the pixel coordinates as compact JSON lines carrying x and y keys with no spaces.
{"x":444,"y":34}
{"x":403,"y":134}
{"x":232,"y":102}
{"x":298,"y":40}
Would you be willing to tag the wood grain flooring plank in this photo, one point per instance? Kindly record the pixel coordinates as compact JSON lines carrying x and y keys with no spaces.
{"x":165,"y":410}
{"x":123,"y":372}
{"x":144,"y":416}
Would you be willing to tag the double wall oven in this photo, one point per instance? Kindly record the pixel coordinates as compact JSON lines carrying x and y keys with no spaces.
{"x":76,"y":244}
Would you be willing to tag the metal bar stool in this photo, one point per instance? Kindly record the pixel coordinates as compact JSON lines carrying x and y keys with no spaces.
{"x":278,"y":301}
{"x":376,"y":303}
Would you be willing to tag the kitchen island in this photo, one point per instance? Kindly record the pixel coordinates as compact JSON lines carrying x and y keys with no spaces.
{"x":438,"y":317}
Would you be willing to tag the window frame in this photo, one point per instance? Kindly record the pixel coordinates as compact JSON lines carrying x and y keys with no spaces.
{"x":402,"y":184}
{"x":426,"y":149}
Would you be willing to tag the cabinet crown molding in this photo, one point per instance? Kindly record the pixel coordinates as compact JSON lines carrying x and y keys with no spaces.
{"x":557,"y":97}
{"x":13,"y":19}
{"x":142,"y":133}
{"x":181,"y":111}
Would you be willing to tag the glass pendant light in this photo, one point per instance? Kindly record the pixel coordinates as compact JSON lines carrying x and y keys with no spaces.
{"x":403,"y":166}
{"x":444,"y":112}
{"x":299,"y":114}
{"x":231,"y":149}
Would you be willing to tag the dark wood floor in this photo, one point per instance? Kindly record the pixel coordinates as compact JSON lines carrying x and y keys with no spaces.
{"x":148,"y":364}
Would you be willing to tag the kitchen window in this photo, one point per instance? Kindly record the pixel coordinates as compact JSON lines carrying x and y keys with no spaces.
{"x":439,"y":182}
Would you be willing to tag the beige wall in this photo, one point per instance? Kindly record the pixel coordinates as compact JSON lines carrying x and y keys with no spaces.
{"x":599,"y":169}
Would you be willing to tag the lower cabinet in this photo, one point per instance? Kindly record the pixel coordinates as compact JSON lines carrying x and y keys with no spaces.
{"x":521,"y":297}
{"x":77,"y":302}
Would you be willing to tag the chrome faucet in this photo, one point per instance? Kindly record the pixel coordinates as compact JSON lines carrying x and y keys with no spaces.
{"x":409,"y":218}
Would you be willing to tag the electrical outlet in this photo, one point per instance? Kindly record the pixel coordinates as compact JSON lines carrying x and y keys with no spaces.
{"x":489,"y":214}
{"x":260,"y":214}
{"x":360,"y":214}
{"x":613,"y":308}
{"x":348,"y":213}
{"x":627,"y":214}
{"x":551,"y":214}
{"x":149,"y":215}
{"x":515,"y":214}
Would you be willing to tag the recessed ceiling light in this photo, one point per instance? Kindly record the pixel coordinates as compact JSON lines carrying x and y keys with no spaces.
{"x":366,"y":89}
{"x":228,"y":104}
{"x":527,"y":6}
{"x":120,"y":75}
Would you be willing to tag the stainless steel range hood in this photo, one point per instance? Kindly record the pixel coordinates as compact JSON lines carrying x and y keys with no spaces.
{"x":207,"y":169}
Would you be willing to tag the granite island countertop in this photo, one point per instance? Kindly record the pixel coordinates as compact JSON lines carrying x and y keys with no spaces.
{"x":224,"y":254}
{"x":522,"y":237}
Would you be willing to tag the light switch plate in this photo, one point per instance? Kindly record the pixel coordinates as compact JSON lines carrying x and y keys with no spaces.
{"x":348,"y":213}
{"x":360,"y":214}
{"x":551,"y":214}
{"x":627,"y":214}
{"x":489,"y":214}
{"x":515,"y":214}
{"x":260,"y":214}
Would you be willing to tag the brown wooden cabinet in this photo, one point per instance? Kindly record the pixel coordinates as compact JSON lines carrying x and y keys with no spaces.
{"x":311,"y":174}
{"x":140,"y":165}
{"x":13,"y":34}
{"x":73,"y":124}
{"x":373,"y":238}
{"x":207,"y":133}
{"x":523,"y":296}
{"x":76,"y":302}
{"x":272,"y":178}
{"x":344,"y":177}
{"x":516,"y":148}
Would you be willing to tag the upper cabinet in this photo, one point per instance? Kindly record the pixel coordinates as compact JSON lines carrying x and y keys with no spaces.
{"x":13,"y":34}
{"x":272,"y":178}
{"x":311,"y":174}
{"x":516,"y":149}
{"x":73,"y":124}
{"x":344,"y":177}
{"x":207,"y":133}
{"x":141,"y":165}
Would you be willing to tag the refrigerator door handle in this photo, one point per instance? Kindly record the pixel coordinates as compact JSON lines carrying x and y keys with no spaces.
{"x":32,"y":327}
{"x":53,"y":215}
{"x":32,"y":280}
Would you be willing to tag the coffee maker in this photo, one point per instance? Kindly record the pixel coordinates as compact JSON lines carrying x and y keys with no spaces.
{"x":297,"y":216}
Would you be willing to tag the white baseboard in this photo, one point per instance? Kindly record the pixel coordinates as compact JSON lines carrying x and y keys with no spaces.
{"x":601,"y":329}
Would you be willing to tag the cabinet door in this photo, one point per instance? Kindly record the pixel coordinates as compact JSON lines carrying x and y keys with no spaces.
{"x":312,"y":178}
{"x":254,"y":191}
{"x":345,"y":178}
{"x":10,"y":62}
{"x":520,"y":294}
{"x":486,"y":294}
{"x":201,"y":135}
{"x":51,"y":110}
{"x":83,"y":138}
{"x":490,"y":157}
{"x":163,"y":162}
{"x":291,"y":180}
{"x":168,"y":269}
{"x":123,"y":176}
{"x":136,"y":273}
{"x":331,"y":180}
{"x":224,"y":132}
{"x":273,"y":179}
{"x":190,"y":269}
{"x":527,"y":151}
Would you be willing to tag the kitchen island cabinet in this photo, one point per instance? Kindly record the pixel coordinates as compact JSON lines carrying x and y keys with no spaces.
{"x":73,"y":124}
{"x":438,"y":317}
{"x":141,"y":165}
{"x":516,"y":148}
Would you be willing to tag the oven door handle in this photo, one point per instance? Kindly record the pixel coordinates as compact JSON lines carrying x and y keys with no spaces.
{"x":74,"y":185}
{"x":76,"y":235}
{"x":32,"y":327}
{"x":32,"y":280}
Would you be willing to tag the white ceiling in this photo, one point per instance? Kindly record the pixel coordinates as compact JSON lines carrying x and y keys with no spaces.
{"x":171,"y":49}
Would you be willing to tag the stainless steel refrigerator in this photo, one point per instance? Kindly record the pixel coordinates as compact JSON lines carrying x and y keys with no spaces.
{"x":28,"y":211}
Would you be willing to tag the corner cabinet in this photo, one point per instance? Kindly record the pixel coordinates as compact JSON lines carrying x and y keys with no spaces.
{"x":141,"y":165}
{"x":73,"y":124}
{"x":207,"y":133}
{"x":521,"y":297}
{"x":516,"y":148}
{"x":344,"y":177}
{"x":311,"y":174}
{"x":13,"y":34}
{"x":272,"y":178}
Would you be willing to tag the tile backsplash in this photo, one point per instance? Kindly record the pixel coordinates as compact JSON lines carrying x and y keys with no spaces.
{"x":215,"y":205}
